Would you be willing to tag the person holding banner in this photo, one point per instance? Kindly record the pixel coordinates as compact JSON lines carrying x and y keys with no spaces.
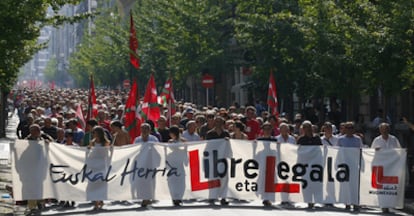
{"x":309,"y":139}
{"x":36,"y":134}
{"x":177,"y":185}
{"x":145,"y":138}
{"x":267,"y":136}
{"x":146,"y":135}
{"x":218,"y":132}
{"x":99,"y":139}
{"x":350,"y":140}
{"x":385,"y":141}
{"x":284,"y":136}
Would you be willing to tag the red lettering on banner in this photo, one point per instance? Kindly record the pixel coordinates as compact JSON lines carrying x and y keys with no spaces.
{"x":378,"y":178}
{"x":270,"y":186}
{"x":196,"y":185}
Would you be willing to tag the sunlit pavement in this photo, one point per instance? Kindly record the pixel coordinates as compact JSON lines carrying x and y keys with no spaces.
{"x":239,"y":208}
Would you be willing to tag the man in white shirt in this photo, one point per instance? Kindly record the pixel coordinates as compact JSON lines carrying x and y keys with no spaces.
{"x":328,"y":139}
{"x":385,"y":140}
{"x":284,"y":136}
{"x":145,"y":137}
{"x":190,"y":134}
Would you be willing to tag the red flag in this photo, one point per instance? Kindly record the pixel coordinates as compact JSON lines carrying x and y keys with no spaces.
{"x":150,"y":108}
{"x":79,"y":117}
{"x":92,"y":105}
{"x":133,"y":45}
{"x":272,"y":96}
{"x":167,"y":98}
{"x":132,"y":123}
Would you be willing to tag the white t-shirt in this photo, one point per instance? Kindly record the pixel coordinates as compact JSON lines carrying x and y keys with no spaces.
{"x":151,"y":138}
{"x":380,"y":142}
{"x":290,"y":139}
{"x":190,"y":137}
{"x":333,"y":141}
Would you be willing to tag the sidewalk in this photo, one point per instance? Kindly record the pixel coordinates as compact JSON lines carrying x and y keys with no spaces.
{"x":6,"y":203}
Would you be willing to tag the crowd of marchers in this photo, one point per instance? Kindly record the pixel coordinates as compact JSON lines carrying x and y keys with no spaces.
{"x":51,"y":115}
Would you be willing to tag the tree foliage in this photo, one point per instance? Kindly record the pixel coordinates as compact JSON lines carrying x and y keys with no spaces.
{"x":103,"y":54}
{"x":316,"y":48}
{"x":21,"y":22}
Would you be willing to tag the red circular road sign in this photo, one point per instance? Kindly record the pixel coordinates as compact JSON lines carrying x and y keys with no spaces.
{"x":126,"y":83}
{"x":207,"y":81}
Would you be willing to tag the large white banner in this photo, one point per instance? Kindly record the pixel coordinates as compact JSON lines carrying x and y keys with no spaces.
{"x":383,"y":177}
{"x":209,"y":169}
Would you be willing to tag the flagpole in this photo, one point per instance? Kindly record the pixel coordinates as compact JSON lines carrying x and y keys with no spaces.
{"x":207,"y":97}
{"x":169,"y":112}
{"x":90,"y":109}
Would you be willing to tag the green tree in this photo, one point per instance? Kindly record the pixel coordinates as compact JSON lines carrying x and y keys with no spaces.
{"x":184,"y":37}
{"x":21,"y":22}
{"x":103,"y":54}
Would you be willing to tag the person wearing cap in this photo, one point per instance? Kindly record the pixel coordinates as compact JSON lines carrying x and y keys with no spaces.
{"x":188,"y":115}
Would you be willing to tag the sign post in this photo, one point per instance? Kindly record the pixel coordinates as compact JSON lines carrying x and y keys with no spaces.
{"x":207,"y":82}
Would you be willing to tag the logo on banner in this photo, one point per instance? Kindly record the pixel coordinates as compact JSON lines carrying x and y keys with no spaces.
{"x":387,"y":185}
{"x":293,"y":175}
